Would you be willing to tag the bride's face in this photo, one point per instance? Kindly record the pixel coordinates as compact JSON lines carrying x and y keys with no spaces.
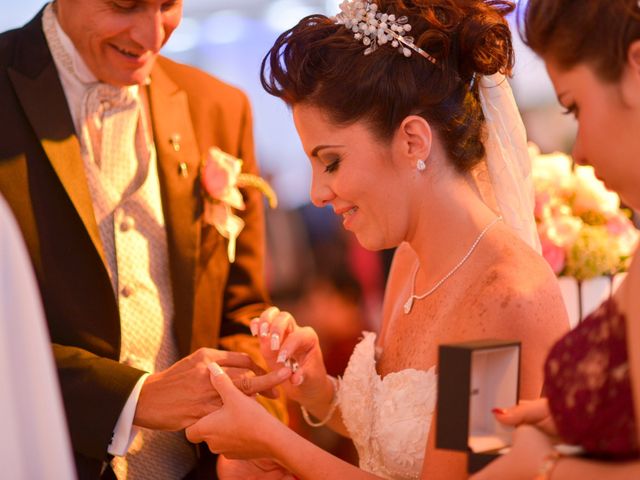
{"x":356,"y":175}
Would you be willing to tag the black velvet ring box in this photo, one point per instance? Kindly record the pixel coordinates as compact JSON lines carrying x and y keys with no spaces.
{"x":473,"y":379}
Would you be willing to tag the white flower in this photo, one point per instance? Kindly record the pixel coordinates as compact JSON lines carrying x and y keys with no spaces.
{"x":552,"y":174}
{"x":592,"y":196}
{"x":576,"y":213}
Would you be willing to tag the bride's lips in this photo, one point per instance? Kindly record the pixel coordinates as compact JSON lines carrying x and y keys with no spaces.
{"x":347,"y":214}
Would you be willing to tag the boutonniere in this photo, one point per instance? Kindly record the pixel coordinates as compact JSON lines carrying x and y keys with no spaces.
{"x":221,"y":176}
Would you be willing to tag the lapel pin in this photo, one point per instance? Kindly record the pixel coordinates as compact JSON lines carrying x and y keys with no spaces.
{"x":183,"y":169}
{"x":175,"y":142}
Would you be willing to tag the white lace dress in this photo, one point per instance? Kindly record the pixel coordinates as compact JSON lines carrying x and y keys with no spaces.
{"x":388,"y":418}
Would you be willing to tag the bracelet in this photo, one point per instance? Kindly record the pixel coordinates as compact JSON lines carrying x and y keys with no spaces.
{"x":548,"y":464}
{"x":332,"y":407}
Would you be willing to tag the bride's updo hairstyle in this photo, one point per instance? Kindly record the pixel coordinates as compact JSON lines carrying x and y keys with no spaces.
{"x":595,"y":32}
{"x":320,"y":63}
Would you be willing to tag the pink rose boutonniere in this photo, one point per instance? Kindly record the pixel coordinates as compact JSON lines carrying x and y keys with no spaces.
{"x":221,"y":176}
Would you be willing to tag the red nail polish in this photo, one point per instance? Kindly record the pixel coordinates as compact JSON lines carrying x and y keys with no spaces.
{"x":499,"y":411}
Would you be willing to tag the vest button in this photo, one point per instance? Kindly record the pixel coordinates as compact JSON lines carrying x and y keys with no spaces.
{"x":127,"y":224}
{"x":126,"y":291}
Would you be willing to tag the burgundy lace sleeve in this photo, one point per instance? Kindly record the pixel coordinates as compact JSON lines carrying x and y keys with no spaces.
{"x":589,"y":389}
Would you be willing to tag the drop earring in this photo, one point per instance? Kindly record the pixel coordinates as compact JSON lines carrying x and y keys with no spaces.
{"x":421,"y":165}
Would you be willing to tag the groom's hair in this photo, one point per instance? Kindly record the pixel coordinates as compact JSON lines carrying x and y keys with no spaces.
{"x":318,"y":62}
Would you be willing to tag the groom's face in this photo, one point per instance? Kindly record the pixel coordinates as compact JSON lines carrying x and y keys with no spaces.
{"x":119,"y":40}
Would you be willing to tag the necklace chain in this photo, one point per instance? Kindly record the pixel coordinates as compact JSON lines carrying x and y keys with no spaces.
{"x":413,"y":297}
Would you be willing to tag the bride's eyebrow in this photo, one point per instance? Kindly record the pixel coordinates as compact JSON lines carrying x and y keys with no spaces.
{"x":319,"y":148}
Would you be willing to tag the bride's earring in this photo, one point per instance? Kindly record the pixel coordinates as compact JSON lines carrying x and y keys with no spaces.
{"x":421,"y":165}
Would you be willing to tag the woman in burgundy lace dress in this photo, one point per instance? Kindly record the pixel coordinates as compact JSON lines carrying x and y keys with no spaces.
{"x":592,"y":53}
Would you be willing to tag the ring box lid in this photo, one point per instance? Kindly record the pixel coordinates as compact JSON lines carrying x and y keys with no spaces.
{"x":473,"y":379}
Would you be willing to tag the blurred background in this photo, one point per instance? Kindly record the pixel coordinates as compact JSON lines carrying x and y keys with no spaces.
{"x":315,"y":269}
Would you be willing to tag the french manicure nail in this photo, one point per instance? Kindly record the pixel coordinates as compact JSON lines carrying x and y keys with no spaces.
{"x":275,"y":341}
{"x":282,"y":357}
{"x":264,"y":329}
{"x":215,"y":369}
{"x":254,"y":327}
{"x":298,"y":381}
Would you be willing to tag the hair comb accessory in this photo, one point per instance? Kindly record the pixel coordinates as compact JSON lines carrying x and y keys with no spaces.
{"x":375,"y":29}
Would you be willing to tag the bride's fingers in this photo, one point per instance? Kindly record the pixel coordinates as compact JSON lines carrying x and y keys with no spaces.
{"x":264,"y":322}
{"x":281,"y":325}
{"x":297,"y":346}
{"x":254,"y":325}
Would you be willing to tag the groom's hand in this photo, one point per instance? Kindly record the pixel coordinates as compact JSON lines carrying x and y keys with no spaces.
{"x":182,"y":394}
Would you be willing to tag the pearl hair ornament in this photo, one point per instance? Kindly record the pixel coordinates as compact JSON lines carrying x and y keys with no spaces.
{"x":374,"y":28}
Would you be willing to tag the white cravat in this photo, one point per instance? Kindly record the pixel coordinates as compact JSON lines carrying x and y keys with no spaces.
{"x":120,"y":166}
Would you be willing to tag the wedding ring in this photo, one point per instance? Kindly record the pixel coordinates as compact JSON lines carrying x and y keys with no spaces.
{"x":294,"y":366}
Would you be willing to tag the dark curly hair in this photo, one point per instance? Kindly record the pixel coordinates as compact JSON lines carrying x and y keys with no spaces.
{"x":596,"y":32}
{"x":318,"y":62}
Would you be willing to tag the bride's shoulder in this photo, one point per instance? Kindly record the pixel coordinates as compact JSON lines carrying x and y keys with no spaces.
{"x":516,"y":267}
{"x":520,"y":284}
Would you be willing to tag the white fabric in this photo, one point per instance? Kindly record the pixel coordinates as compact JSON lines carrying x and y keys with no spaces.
{"x":508,"y":161}
{"x":121,"y":169}
{"x":388,"y":418}
{"x":34,"y":441}
{"x":125,"y":432}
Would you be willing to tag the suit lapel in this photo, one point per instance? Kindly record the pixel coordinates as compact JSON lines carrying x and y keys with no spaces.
{"x":178,"y":169}
{"x":36,"y":83}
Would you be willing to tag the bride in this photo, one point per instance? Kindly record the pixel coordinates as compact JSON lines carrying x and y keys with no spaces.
{"x":417,"y":144}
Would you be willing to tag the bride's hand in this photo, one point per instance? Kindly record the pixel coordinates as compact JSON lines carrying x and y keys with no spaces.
{"x":241,"y":428}
{"x":256,"y":469}
{"x":528,"y":412}
{"x":283,"y":342}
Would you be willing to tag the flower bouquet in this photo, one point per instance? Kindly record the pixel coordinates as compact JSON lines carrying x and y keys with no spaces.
{"x":583,"y":231}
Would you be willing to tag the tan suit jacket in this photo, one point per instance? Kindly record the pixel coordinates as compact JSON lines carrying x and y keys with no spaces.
{"x":43,"y":180}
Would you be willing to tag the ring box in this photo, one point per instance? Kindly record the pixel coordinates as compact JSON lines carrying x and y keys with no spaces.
{"x":473,"y":379}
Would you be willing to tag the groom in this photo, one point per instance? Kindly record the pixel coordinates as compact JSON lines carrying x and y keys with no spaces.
{"x":100,"y":150}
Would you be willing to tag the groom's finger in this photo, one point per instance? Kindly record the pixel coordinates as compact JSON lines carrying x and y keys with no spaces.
{"x":194,"y":434}
{"x":263,"y":384}
{"x":248,"y":385}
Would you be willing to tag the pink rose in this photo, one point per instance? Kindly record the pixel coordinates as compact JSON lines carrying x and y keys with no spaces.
{"x":215,"y":180}
{"x":619,"y":224}
{"x":219,"y":178}
{"x":543,"y":199}
{"x":625,"y":234}
{"x":553,"y":254}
